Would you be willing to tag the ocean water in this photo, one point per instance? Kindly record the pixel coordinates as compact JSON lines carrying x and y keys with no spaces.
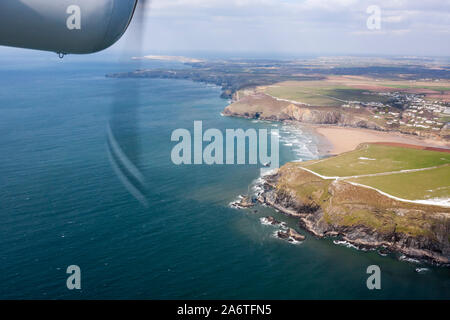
{"x":61,"y":203}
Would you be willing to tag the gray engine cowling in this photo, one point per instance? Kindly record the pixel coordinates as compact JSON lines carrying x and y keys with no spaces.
{"x":64,"y":26}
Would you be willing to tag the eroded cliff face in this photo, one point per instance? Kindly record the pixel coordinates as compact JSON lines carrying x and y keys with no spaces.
{"x":359,"y":215}
{"x":261,"y":106}
{"x":327,"y":116}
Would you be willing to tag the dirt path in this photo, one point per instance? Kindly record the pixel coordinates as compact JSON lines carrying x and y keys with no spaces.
{"x":441,"y":203}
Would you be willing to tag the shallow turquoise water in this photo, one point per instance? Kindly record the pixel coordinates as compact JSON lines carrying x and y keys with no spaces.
{"x":61,"y":203}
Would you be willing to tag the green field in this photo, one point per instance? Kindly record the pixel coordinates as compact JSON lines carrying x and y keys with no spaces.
{"x":323,"y":96}
{"x":387,"y":161}
{"x":427,"y":184}
{"x":373,"y":158}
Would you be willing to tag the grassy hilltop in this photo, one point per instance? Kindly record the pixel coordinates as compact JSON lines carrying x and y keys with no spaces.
{"x":392,"y":170}
{"x":357,"y":195}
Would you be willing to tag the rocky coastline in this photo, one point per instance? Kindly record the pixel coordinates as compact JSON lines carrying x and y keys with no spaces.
{"x":312,"y":217}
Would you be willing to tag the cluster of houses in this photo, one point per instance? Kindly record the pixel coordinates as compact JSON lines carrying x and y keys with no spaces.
{"x":419,"y":113}
{"x":415,"y":112}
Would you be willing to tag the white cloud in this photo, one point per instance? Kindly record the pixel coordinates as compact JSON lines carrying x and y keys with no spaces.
{"x":302,"y":25}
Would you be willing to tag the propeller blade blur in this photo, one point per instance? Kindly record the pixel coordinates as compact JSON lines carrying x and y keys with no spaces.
{"x":123,"y":132}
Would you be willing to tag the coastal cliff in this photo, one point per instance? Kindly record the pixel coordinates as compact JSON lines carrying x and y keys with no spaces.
{"x":359,"y":215}
{"x":264,"y":107}
{"x":259,"y":105}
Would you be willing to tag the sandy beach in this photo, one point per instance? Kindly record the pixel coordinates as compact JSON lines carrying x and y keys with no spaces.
{"x":339,"y":139}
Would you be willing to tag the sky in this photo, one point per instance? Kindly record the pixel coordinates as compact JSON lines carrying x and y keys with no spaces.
{"x":407,"y":27}
{"x":299,"y":27}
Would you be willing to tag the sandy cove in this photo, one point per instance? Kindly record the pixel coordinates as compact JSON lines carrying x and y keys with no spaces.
{"x":342,"y":139}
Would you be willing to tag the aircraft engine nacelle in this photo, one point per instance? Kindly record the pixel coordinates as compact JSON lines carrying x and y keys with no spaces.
{"x":64,"y":26}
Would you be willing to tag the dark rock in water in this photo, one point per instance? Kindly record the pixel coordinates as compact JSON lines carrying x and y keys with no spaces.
{"x":245,"y":202}
{"x":295,"y":235}
{"x":283,"y":235}
{"x":291,"y":235}
{"x":272,"y":221}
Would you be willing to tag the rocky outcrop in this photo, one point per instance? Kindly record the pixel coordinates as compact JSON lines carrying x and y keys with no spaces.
{"x":290,"y":234}
{"x":243,"y":202}
{"x":272,"y":221}
{"x":360,"y":216}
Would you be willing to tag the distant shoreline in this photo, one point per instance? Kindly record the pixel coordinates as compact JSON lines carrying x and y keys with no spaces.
{"x":169,"y":58}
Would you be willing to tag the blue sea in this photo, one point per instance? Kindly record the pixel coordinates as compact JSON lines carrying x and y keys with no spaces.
{"x":62,"y":204}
